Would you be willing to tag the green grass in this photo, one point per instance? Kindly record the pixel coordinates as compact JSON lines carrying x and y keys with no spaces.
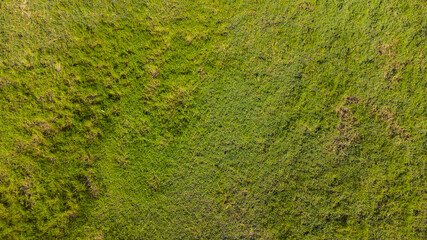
{"x":213,"y":119}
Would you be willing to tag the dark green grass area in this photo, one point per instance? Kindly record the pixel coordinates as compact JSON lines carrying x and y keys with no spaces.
{"x":213,"y":119}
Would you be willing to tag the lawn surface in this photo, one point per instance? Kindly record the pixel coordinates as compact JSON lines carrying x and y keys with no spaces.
{"x":213,"y":119}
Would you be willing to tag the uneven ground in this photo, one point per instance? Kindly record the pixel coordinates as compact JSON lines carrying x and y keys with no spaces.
{"x":213,"y":119}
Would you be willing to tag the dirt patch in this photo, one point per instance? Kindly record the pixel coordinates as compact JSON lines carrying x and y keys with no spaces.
{"x":347,"y":133}
{"x":394,"y":129}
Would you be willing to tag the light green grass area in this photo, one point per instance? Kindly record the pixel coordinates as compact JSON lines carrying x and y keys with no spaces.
{"x":172,"y":119}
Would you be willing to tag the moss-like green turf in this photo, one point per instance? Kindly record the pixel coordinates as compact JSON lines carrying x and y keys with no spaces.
{"x":244,"y":119}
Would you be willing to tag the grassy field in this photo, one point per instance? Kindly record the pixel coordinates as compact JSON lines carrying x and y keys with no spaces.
{"x":172,"y":119}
